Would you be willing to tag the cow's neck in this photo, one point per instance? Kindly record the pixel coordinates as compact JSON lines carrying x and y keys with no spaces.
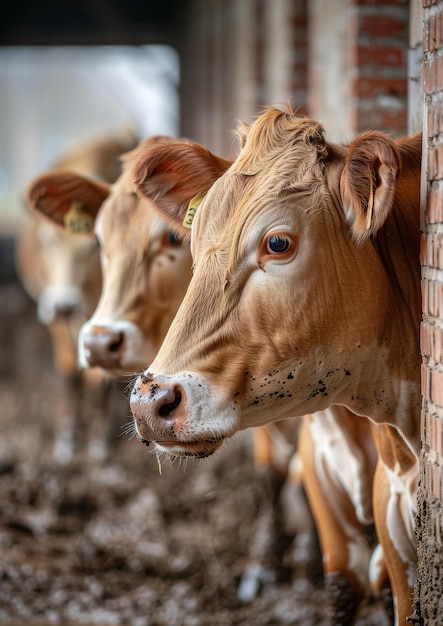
{"x":397,"y":358}
{"x":387,"y":398}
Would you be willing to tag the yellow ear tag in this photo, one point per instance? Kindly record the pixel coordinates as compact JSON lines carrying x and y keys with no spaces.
{"x":78,"y":221}
{"x":193,"y":205}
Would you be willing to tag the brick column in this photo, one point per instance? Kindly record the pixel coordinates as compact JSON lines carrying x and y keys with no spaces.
{"x":429,"y":589}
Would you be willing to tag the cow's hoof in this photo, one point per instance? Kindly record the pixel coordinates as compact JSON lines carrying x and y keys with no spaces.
{"x":343,"y":600}
{"x":253,"y":580}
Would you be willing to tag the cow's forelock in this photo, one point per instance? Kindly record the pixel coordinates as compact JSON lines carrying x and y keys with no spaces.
{"x":276,"y":132}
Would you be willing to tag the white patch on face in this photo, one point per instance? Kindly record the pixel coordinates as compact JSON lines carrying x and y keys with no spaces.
{"x":53,"y":298}
{"x":98,"y":229}
{"x":136,"y":352}
{"x":207,"y":412}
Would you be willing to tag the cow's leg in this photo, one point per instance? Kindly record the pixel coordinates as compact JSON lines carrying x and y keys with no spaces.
{"x":69,"y":429}
{"x":266,"y":545}
{"x":304,"y":555}
{"x":64,"y":349}
{"x":395,"y":486}
{"x":343,"y":541}
{"x":379,"y":581}
{"x":112,"y":414}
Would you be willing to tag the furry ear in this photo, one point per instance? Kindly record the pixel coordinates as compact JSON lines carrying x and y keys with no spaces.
{"x":368,"y":180}
{"x":242,"y":132}
{"x":68,"y":199}
{"x":171,"y":174}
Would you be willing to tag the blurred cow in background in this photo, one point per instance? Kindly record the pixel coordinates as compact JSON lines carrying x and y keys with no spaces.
{"x":62,"y":275}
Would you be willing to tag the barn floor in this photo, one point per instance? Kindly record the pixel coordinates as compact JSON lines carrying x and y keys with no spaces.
{"x":116,"y":542}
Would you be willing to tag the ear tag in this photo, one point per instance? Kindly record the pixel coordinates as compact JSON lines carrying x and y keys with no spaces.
{"x":193,"y":205}
{"x":78,"y":221}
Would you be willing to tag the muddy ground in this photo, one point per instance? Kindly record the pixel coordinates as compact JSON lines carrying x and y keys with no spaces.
{"x":116,"y":542}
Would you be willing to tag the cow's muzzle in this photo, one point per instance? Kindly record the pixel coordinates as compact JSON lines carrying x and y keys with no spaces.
{"x":161,"y":417}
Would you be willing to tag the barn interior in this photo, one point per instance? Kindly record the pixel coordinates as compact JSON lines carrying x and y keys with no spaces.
{"x":126,"y":539}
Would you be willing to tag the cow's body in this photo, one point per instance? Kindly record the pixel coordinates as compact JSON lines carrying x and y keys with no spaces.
{"x":305,"y":293}
{"x":62,"y":274}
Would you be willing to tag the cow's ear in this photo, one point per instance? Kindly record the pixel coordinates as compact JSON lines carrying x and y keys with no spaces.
{"x":68,"y":199}
{"x":242,"y":132}
{"x":171,"y":175}
{"x":368,"y":182}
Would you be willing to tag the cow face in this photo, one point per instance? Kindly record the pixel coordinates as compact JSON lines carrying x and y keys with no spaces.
{"x":146,"y":270}
{"x":69,"y":275}
{"x":305,"y":290}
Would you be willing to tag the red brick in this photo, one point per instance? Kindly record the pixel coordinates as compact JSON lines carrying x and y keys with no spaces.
{"x":437,"y":345}
{"x":423,"y":424}
{"x":440,"y":73}
{"x":383,"y":26}
{"x":384,"y":56}
{"x":423,"y":249}
{"x":431,"y":34}
{"x":426,"y":35}
{"x":437,"y":439}
{"x":429,"y":75}
{"x":424,"y":380}
{"x":424,"y":295}
{"x":438,"y":31}
{"x":434,"y":210}
{"x":381,"y":118}
{"x":439,"y":299}
{"x":436,"y":480}
{"x":425,"y":339}
{"x":437,"y":388}
{"x":367,"y":86}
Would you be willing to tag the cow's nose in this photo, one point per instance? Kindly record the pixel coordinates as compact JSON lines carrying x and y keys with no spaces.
{"x":64,"y":309}
{"x":157,"y":402}
{"x":103,"y":347}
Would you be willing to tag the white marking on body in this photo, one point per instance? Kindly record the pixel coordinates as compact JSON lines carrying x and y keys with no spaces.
{"x":401,"y":511}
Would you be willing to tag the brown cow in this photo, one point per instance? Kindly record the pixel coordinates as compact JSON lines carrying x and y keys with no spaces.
{"x":146,"y":269}
{"x":62,"y":274}
{"x":305,"y":294}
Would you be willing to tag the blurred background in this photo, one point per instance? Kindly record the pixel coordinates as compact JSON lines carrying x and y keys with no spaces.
{"x":115,"y":542}
{"x":194,"y":67}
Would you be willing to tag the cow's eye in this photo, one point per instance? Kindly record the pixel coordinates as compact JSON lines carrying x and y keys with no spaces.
{"x":278,"y":244}
{"x":174,"y":239}
{"x":170,"y":239}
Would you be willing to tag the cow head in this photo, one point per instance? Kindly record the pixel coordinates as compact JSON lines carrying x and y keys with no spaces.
{"x":305,"y":289}
{"x":63,"y":272}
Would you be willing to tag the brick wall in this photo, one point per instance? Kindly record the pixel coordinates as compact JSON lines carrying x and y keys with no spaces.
{"x":358,"y":65}
{"x":381,"y":56}
{"x":428,"y":595}
{"x":343,"y":61}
